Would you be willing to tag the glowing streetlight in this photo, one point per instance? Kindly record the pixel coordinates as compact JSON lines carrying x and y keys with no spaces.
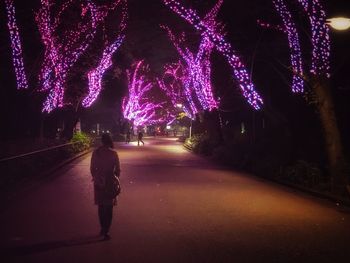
{"x":339,"y":23}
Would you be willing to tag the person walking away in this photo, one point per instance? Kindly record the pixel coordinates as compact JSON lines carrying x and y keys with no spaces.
{"x":127,"y":137}
{"x":104,"y":167}
{"x":139,"y":138}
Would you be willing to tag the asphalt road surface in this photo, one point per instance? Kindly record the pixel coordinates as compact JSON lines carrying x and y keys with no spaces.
{"x":174,"y":207}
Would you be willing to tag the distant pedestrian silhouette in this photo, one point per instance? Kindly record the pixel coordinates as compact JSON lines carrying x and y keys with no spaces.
{"x":105,"y":168}
{"x":127,"y":137}
{"x":139,"y":138}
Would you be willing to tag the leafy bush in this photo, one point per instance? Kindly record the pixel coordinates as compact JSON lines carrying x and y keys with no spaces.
{"x":201,"y":144}
{"x":81,"y":141}
{"x":304,"y":173}
{"x":268,"y":166}
{"x":233,"y":155}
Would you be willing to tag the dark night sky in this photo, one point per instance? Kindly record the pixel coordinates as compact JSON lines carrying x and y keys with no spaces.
{"x":146,"y":40}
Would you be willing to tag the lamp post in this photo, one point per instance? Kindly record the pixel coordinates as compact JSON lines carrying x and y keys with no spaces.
{"x":180,"y":106}
{"x":340,"y":24}
{"x":190,"y":129}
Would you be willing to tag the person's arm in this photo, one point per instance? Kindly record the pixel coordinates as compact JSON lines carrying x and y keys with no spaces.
{"x":93,"y":167}
{"x":117,"y":165}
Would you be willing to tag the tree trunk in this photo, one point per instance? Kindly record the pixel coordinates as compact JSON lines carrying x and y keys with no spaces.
{"x":325,"y":106}
{"x":42,"y":126}
{"x":70,"y":120}
{"x":212,"y":125}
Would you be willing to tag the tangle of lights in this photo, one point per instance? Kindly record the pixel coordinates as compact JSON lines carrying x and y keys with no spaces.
{"x":172,"y":84}
{"x":320,"y":40}
{"x":270,"y":26}
{"x":16,"y":46}
{"x":198,"y":73}
{"x":320,"y":37}
{"x":63,"y":49}
{"x":137,"y":107}
{"x":188,"y":93}
{"x":294,"y":45}
{"x":95,"y":76}
{"x":206,"y":27}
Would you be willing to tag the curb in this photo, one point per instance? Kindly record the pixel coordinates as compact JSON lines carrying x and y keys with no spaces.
{"x":63,"y":163}
{"x":332,"y":198}
{"x":25,"y":186}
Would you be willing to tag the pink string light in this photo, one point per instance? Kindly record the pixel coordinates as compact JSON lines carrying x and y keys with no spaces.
{"x":319,"y":37}
{"x":205,"y":27}
{"x":17,"y":54}
{"x":95,"y":75}
{"x":294,"y":44}
{"x":320,"y":40}
{"x":187,"y":77}
{"x":198,"y":69}
{"x":267,"y":25}
{"x":172,"y":83}
{"x":63,"y":49}
{"x":137,"y":106}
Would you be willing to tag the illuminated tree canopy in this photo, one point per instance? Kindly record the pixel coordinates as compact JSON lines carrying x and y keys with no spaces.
{"x":138,"y":107}
{"x":64,"y":45}
{"x":197,"y":77}
{"x":319,"y":38}
{"x":95,"y":75}
{"x":67,"y":40}
{"x":208,"y":27}
{"x":173,"y":84}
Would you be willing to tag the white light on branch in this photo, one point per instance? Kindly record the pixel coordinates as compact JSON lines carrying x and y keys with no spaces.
{"x":339,"y":23}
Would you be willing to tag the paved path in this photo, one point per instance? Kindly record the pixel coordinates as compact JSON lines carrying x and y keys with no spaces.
{"x":175,"y":207}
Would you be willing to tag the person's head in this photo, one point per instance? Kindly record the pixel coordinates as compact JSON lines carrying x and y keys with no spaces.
{"x":107,"y":140}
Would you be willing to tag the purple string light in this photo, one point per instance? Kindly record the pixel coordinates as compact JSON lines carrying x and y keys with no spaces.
{"x":320,"y":37}
{"x":173,"y":84}
{"x":211,"y":31}
{"x":137,"y":106}
{"x":16,"y":46}
{"x":198,"y":72}
{"x":320,"y":40}
{"x":198,"y":69}
{"x":63,"y":49}
{"x":270,"y":26}
{"x":95,"y":76}
{"x":294,"y":45}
